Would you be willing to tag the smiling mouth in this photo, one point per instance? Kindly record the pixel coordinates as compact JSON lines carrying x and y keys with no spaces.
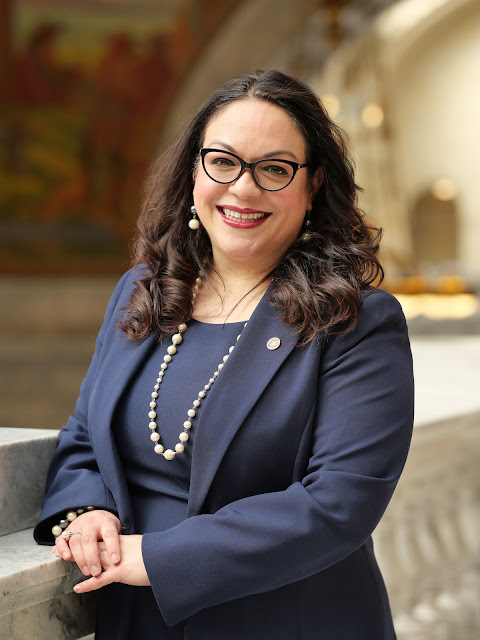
{"x":237,"y":215}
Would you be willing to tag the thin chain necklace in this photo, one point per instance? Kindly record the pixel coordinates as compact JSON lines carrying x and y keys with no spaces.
{"x":177,"y":339}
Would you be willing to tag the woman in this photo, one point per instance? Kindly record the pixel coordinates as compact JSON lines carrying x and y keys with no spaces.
{"x":248,"y":458}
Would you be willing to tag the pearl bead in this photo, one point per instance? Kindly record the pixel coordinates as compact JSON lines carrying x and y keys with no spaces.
{"x":164,"y":365}
{"x":177,"y":338}
{"x":158,"y":448}
{"x":167,"y":358}
{"x":71,"y":516}
{"x":193,"y":223}
{"x":153,"y":404}
{"x":220,"y":366}
{"x":231,"y":349}
{"x":161,"y":374}
{"x":179,"y":447}
{"x":216,"y":374}
{"x":238,"y":337}
{"x":201,"y":394}
{"x":169,"y":454}
{"x":187,"y":424}
{"x":198,"y":280}
{"x":196,"y":403}
{"x":183,"y":436}
{"x":80,"y":511}
{"x":154,"y":394}
{"x":207,"y":387}
{"x":212,"y":380}
{"x":225,"y":358}
{"x":182,"y":327}
{"x":56,"y":530}
{"x":154,"y":437}
{"x":90,"y":508}
{"x":172,"y":350}
{"x":152,"y":425}
{"x":157,"y":386}
{"x":152,"y":414}
{"x":191,"y":413}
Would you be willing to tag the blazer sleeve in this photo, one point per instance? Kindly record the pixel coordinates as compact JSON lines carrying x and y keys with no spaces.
{"x":73,"y":479}
{"x":361,"y":436}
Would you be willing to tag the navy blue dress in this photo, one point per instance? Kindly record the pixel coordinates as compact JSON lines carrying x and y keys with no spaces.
{"x":159,"y":487}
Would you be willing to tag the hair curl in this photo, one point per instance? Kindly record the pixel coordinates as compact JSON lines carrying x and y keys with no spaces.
{"x":318,"y":284}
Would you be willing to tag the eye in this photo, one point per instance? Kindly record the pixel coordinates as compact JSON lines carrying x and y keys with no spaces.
{"x":275,"y":169}
{"x":221,"y":161}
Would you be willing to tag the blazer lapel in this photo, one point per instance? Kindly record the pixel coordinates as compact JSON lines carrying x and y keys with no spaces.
{"x":121,"y":364}
{"x":248,"y":371}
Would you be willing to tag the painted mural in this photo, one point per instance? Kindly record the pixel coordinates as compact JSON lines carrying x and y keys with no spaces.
{"x":84,"y":99}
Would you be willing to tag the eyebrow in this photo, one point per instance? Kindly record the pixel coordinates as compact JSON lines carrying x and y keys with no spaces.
{"x":270,"y":154}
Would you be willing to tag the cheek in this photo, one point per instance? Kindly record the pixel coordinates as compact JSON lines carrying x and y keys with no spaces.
{"x":204,"y":191}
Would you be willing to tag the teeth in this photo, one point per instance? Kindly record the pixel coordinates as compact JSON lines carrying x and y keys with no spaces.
{"x":236,"y":215}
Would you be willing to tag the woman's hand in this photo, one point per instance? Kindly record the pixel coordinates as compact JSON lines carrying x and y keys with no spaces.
{"x":130,"y":570}
{"x":94,"y":527}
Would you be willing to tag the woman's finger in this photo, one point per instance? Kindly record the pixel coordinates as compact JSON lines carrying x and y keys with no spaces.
{"x":110,"y":537}
{"x":76,"y":548}
{"x":63,"y":548}
{"x":105,"y":559}
{"x":89,"y":548}
{"x":96,"y":582}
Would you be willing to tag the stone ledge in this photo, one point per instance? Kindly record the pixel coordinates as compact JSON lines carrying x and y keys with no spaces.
{"x":25,"y":456}
{"x":37,"y":598}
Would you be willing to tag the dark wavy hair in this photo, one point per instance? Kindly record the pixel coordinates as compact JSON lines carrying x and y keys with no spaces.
{"x":318,"y":284}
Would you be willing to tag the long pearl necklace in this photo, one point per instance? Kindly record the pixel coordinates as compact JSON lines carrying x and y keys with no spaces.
{"x":184,"y":436}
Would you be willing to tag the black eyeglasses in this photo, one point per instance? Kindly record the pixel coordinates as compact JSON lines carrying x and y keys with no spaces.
{"x":270,"y":174}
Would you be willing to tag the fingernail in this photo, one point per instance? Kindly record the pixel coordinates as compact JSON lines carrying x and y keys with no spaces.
{"x":77,"y":588}
{"x":65,"y":555}
{"x":85,"y":570}
{"x":94,"y":569}
{"x":114,"y":557}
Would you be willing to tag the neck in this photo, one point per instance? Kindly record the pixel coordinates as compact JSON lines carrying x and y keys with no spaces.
{"x":229,"y":294}
{"x":239,"y":276}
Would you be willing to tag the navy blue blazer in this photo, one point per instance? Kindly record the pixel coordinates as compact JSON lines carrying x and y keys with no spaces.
{"x":297,"y":453}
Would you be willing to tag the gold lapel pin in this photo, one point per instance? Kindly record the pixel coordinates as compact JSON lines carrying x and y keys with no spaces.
{"x":273,"y":344}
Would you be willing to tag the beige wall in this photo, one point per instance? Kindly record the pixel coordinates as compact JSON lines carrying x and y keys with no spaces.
{"x":420,"y":62}
{"x":437,"y":105}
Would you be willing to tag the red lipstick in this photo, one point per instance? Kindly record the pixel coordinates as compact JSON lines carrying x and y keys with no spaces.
{"x":248,"y":219}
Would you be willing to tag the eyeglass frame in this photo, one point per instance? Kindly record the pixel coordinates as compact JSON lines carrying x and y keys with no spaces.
{"x":251,"y":165}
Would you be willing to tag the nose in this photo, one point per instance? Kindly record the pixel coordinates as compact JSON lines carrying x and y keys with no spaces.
{"x":244,"y":186}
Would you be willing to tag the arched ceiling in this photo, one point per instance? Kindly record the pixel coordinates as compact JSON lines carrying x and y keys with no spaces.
{"x":252,"y":37}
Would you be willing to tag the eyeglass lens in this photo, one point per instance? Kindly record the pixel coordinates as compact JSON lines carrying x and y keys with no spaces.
{"x":270,"y":174}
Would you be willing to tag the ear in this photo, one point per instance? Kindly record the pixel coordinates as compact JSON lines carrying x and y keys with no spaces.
{"x":316,"y":183}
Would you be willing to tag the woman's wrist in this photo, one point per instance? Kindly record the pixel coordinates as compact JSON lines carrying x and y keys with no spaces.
{"x":70,"y":516}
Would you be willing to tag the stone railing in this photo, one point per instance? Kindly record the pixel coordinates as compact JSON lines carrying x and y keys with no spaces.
{"x":37,"y":599}
{"x":428,"y":542}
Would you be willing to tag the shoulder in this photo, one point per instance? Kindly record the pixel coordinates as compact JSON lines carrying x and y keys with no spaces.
{"x":379,"y":306}
{"x":381,"y":323}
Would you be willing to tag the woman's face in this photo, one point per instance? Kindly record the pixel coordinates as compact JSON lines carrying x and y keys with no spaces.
{"x":245,"y":223}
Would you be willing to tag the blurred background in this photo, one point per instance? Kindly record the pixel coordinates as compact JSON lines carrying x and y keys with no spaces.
{"x":91,"y":92}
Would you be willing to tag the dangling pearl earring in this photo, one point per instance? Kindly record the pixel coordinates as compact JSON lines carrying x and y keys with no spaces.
{"x":193,"y":223}
{"x":306,"y":235}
